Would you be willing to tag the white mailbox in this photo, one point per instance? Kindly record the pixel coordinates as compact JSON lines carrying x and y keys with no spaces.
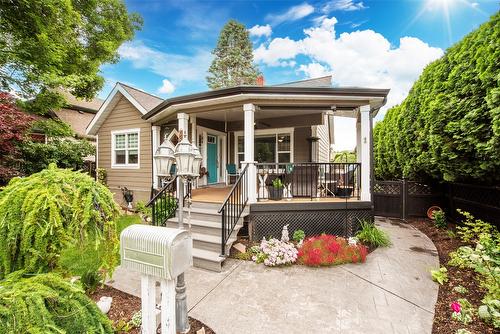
{"x":156,"y":251}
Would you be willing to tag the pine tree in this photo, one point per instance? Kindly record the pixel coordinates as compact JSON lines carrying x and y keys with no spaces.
{"x":233,"y":58}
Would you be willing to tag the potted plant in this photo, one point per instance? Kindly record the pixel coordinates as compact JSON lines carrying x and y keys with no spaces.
{"x":276,"y":190}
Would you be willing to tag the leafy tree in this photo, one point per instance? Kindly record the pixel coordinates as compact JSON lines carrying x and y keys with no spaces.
{"x":49,"y":44}
{"x":233,"y":58}
{"x":65,"y":153}
{"x":13,"y":127}
{"x":448,"y":128}
{"x":42,"y":214}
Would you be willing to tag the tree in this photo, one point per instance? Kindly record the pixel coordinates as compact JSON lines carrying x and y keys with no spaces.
{"x":13,"y":127}
{"x":448,"y":128}
{"x":233,"y":58}
{"x":51,"y":44}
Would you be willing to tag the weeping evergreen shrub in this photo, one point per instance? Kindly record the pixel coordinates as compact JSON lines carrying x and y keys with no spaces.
{"x":44,"y":213}
{"x":47,"y":303}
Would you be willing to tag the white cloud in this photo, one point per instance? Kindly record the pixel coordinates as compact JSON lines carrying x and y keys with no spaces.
{"x":177,"y":67}
{"x":314,"y":70}
{"x":362,"y":58}
{"x":167,"y":87}
{"x":292,"y":14}
{"x":474,"y":4}
{"x":259,"y":31}
{"x":342,"y":5}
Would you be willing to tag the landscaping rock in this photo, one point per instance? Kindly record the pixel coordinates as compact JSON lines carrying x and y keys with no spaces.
{"x":240,"y":247}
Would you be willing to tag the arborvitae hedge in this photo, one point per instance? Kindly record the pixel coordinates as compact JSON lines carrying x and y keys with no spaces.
{"x":42,"y":214}
{"x":448,"y":128}
{"x":47,"y":303}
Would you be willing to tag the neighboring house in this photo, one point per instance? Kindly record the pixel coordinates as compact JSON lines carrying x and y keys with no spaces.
{"x":265,"y":132}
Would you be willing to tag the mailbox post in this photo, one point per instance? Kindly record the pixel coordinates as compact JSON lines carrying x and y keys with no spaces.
{"x":159,"y":254}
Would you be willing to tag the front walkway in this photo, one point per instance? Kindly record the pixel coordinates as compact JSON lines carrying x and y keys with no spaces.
{"x":391,"y":293}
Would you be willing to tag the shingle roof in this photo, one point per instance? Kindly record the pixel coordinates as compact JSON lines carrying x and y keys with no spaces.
{"x":325,"y":81}
{"x":148,"y":101}
{"x":73,"y":101}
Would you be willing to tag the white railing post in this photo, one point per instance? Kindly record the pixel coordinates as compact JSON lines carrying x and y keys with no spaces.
{"x":155,"y":133}
{"x":249,"y":139}
{"x":366,"y":148}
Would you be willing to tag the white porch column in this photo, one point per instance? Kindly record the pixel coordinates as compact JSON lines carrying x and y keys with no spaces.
{"x":183,"y":118}
{"x":366,"y":148}
{"x":155,"y":133}
{"x":358,"y":140}
{"x":249,"y":138}
{"x":193,"y":130}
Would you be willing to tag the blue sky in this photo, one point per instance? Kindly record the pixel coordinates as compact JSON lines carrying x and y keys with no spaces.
{"x":361,"y":43}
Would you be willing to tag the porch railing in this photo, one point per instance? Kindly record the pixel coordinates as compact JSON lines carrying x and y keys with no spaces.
{"x":233,"y":207}
{"x":308,"y":180}
{"x":164,"y":203}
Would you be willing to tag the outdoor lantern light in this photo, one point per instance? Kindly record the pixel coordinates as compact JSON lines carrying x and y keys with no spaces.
{"x":196,"y":162}
{"x":164,"y":157}
{"x":184,"y":158}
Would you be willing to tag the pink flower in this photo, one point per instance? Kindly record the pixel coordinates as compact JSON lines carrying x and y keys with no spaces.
{"x":455,"y":306}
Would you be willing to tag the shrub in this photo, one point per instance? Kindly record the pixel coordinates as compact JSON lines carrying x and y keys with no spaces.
{"x":372,"y":235}
{"x":42,"y":214}
{"x":298,"y":235}
{"x":90,"y":280}
{"x":47,"y":303}
{"x":274,"y":252}
{"x":328,"y":250}
{"x":472,"y":229}
{"x":440,"y":275}
{"x":439,"y":219}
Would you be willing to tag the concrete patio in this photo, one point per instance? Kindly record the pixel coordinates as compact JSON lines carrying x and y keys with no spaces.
{"x":391,"y":293}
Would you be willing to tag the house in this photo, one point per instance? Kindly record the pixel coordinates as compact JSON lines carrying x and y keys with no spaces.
{"x":260,"y":133}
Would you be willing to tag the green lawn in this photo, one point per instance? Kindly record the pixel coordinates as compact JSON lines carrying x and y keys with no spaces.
{"x":78,"y":260}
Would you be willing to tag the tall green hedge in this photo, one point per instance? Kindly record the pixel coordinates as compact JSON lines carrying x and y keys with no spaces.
{"x":448,"y":128}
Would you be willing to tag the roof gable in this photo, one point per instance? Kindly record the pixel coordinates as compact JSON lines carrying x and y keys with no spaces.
{"x":142,"y":101}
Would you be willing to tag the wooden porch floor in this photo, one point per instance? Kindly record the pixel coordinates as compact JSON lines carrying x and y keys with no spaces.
{"x":217,"y":194}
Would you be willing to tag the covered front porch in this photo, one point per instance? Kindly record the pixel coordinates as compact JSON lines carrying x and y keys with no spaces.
{"x":277,"y":133}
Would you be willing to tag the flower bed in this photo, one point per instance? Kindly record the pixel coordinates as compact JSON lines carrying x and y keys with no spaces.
{"x":274,"y":252}
{"x":326,"y":250}
{"x":461,"y":295}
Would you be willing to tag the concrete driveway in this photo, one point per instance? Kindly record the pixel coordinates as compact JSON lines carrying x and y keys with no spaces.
{"x":391,"y":293}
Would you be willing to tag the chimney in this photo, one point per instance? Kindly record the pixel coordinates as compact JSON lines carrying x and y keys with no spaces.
{"x":260,"y":80}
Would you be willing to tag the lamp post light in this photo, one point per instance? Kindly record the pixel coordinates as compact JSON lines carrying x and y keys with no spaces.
{"x":188,"y":159}
{"x":164,"y":158}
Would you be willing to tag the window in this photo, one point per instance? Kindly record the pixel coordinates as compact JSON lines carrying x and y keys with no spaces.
{"x":269,"y":147}
{"x":125,"y":148}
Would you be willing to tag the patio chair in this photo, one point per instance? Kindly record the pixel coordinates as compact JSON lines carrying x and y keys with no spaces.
{"x":231,"y":171}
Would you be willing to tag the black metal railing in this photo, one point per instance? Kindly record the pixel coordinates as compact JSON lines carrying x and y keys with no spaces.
{"x":233,"y":207}
{"x":164,"y":203}
{"x":308,"y":180}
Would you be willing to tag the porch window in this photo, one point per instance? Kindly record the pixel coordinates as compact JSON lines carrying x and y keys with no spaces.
{"x":269,"y":148}
{"x":125,"y":152}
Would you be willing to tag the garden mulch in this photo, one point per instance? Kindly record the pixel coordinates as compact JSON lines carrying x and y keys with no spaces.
{"x":124,"y":306}
{"x":446,"y":243}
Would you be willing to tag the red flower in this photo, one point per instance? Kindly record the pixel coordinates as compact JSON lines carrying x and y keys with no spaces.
{"x":455,"y":306}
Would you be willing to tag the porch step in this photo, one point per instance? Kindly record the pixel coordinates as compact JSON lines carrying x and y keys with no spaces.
{"x":206,"y":226}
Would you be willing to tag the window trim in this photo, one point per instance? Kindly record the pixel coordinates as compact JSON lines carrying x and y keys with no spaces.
{"x":275,"y":132}
{"x":114,"y":165}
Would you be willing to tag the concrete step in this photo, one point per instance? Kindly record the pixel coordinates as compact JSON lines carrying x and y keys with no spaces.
{"x":207,"y":260}
{"x":202,"y":226}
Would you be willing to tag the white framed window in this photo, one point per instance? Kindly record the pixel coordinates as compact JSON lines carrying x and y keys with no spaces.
{"x":125,"y":148}
{"x":270,"y":146}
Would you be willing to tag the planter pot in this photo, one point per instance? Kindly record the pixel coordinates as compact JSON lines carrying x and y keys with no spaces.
{"x":431,"y":210}
{"x":343,"y":192}
{"x":275,"y":194}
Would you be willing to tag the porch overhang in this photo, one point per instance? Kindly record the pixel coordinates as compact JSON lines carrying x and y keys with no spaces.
{"x":272,"y":101}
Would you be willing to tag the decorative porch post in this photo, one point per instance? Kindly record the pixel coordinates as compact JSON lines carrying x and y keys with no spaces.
{"x":155,"y":133}
{"x":182,"y":323}
{"x":366,"y":148}
{"x":249,"y":139}
{"x":358,"y":139}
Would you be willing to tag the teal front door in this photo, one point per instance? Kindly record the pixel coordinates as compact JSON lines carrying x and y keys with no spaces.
{"x":212,"y":158}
